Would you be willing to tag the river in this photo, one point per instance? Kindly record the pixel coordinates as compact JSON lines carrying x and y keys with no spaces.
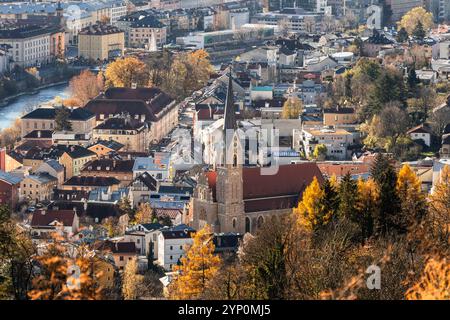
{"x":16,"y":108}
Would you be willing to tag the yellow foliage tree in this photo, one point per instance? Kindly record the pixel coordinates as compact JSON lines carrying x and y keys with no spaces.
{"x":196,"y":269}
{"x":84,"y":87}
{"x":144,"y":213}
{"x":410,"y":20}
{"x":310,"y":210}
{"x":131,"y":280}
{"x":439,"y":207}
{"x":413,"y":207}
{"x":125,"y":72}
{"x":292,"y":108}
{"x":434,"y":284}
{"x":366,"y":206}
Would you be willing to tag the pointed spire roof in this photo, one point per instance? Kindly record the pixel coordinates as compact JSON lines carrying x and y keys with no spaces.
{"x":229,"y":112}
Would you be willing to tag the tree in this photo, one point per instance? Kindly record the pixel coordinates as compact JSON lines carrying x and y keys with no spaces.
{"x":367,"y":203}
{"x":144,"y":214}
{"x":62,"y":119}
{"x":413,"y":205}
{"x":311,"y":211}
{"x":439,"y":209}
{"x":418,"y":31}
{"x":384,"y":175}
{"x":9,"y":136}
{"x":414,"y":17}
{"x":56,"y":282}
{"x":197,"y":267}
{"x":126,"y":72}
{"x":402,"y":35}
{"x":16,"y":258}
{"x":320,"y":151}
{"x":393,"y":123}
{"x":85,"y":87}
{"x":292,"y":108}
{"x":347,"y":196}
{"x":125,"y":207}
{"x":131,"y":280}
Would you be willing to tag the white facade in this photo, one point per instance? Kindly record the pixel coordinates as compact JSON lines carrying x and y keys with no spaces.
{"x":170,"y":251}
{"x":444,"y":50}
{"x":28,"y":52}
{"x":335,"y":140}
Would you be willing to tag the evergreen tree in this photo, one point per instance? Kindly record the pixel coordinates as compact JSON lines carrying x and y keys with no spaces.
{"x":347,"y":196}
{"x":366,"y":207}
{"x":62,"y":119}
{"x":402,"y":35}
{"x":384,"y":175}
{"x":330,"y":199}
{"x":419,"y":31}
{"x":412,"y":78}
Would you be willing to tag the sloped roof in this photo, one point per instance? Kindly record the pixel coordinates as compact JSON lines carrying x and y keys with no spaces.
{"x":9,"y":178}
{"x":44,"y":218}
{"x":91,"y":181}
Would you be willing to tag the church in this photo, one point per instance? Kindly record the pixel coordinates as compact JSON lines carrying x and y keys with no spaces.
{"x":232,"y":197}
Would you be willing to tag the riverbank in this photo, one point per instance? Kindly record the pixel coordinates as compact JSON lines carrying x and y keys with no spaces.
{"x":4,"y":102}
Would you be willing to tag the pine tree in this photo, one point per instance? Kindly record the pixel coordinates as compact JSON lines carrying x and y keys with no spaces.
{"x":347,"y":196}
{"x":413,"y":205}
{"x":62,"y":119}
{"x":402,"y":35}
{"x":384,"y":175}
{"x":419,"y":31}
{"x":330,"y":199}
{"x":197,"y":267}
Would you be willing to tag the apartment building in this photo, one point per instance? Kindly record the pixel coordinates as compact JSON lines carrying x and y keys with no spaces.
{"x":31,"y":45}
{"x":335,"y":140}
{"x":142,"y":29}
{"x":101,"y":42}
{"x":37,"y":188}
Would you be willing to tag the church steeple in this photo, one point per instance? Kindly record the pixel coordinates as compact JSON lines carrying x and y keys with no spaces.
{"x":229,"y":112}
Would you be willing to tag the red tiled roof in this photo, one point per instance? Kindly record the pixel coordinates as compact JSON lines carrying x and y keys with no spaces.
{"x":171,"y":213}
{"x":65,"y":217}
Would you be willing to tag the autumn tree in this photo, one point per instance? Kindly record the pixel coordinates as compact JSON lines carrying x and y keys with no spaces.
{"x":439,"y":209}
{"x":9,"y":136}
{"x":412,"y":200}
{"x":144,"y":214}
{"x":124,"y":206}
{"x":198,"y":266}
{"x":62,"y":119}
{"x":320,"y":152}
{"x":84,"y":87}
{"x":311,"y":211}
{"x":126,"y":72}
{"x":414,"y":17}
{"x":131,"y":281}
{"x":292,"y":108}
{"x":367,"y":203}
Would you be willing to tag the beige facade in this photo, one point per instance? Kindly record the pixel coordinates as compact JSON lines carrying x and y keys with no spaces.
{"x":101,"y":46}
{"x":133,"y":140}
{"x":37,"y":188}
{"x":73,"y":166}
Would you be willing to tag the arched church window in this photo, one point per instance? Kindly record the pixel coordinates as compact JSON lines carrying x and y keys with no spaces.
{"x":235,"y":160}
{"x":247,"y":224}
{"x":234,"y":223}
{"x":260,"y":221}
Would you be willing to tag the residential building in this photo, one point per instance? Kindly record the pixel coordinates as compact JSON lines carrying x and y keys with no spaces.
{"x":105,"y":147}
{"x":44,"y":222}
{"x":36,"y":188}
{"x":123,"y":252}
{"x":339,"y":116}
{"x":33,"y":44}
{"x":74,"y":160}
{"x":172,"y":244}
{"x":157,"y":166}
{"x":43,"y":118}
{"x":10,"y":161}
{"x":130,"y":132}
{"x":142,"y":29}
{"x":5,"y":58}
{"x":421,"y":132}
{"x":82,"y":183}
{"x":122,"y":170}
{"x":53,"y":168}
{"x":101,"y":42}
{"x":149,"y":105}
{"x":400,"y":7}
{"x":9,"y":189}
{"x":335,"y":140}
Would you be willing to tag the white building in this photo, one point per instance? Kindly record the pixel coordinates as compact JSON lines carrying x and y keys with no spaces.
{"x":172,"y":245}
{"x":5,"y":58}
{"x":335,"y":140}
{"x":444,"y":50}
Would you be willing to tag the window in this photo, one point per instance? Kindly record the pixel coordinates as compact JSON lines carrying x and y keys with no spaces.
{"x":171,"y":247}
{"x":121,"y":258}
{"x":171,"y":257}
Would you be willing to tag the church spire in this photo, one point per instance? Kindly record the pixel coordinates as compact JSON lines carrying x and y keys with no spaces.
{"x":229,"y":112}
